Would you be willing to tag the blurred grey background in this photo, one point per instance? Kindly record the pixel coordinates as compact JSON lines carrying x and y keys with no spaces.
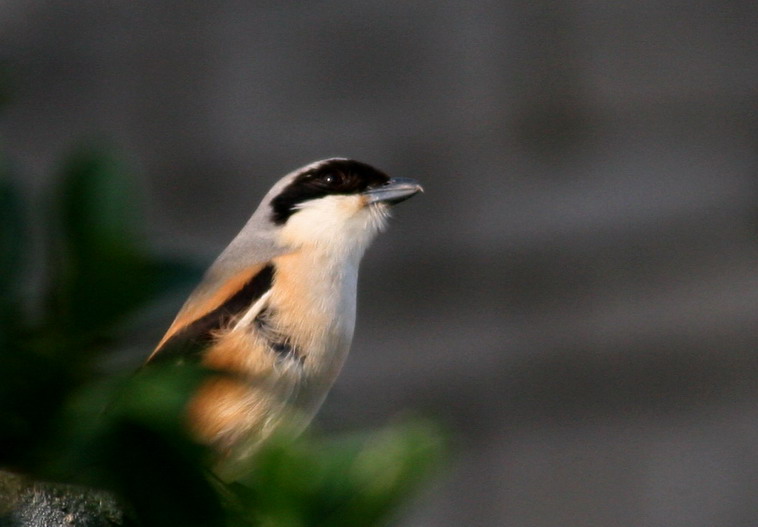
{"x":575,"y":295}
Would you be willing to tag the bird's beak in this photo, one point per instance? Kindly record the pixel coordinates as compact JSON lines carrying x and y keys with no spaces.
{"x":394,"y":191}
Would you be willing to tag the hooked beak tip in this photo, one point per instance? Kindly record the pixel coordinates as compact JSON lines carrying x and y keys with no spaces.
{"x":394,"y":191}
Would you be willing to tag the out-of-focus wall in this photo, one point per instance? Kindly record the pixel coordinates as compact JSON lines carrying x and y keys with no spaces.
{"x":576,"y":294}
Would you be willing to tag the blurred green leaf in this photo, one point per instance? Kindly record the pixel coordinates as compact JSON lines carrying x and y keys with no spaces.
{"x":14,"y":359}
{"x":102,"y":270}
{"x":12,"y":231}
{"x":100,"y":212}
{"x":355,"y":480}
{"x":99,"y":274}
{"x":137,"y":445}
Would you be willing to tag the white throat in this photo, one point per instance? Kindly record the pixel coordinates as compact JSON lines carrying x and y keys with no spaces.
{"x":343,"y":226}
{"x":315,"y":285}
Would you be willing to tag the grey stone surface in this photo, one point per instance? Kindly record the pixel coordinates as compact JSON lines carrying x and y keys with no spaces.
{"x":26,"y":503}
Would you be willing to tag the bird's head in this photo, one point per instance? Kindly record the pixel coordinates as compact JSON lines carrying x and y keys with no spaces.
{"x":338,"y":204}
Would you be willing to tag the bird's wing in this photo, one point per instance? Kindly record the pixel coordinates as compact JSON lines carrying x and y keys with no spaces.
{"x":240,"y":275}
{"x":211,"y":308}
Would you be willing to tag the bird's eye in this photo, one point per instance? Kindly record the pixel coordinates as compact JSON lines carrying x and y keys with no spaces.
{"x":332,"y":179}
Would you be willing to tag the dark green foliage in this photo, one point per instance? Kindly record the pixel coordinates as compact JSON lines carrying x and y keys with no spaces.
{"x":101,"y":270}
{"x":11,"y":235}
{"x":348,"y":481}
{"x":59,"y":420}
{"x":128,"y":436}
{"x":97,"y":272}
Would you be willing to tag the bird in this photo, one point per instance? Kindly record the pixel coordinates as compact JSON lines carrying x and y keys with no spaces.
{"x":274,"y":316}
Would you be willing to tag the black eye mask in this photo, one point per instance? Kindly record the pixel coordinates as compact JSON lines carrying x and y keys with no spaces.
{"x":336,"y":177}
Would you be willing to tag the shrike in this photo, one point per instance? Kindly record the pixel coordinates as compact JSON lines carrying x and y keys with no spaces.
{"x":275,"y":313}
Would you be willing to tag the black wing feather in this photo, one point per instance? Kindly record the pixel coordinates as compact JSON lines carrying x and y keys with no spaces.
{"x":188,"y":344}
